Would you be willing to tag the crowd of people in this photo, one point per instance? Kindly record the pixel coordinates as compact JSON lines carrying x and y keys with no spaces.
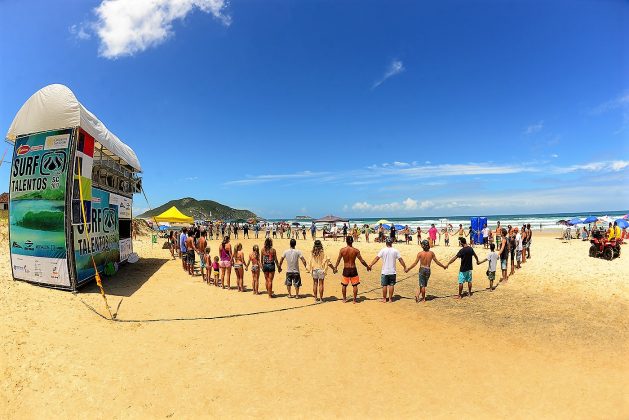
{"x":191,"y":245}
{"x":585,"y":233}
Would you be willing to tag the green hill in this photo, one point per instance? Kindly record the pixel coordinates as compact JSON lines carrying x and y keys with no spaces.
{"x":201,"y":210}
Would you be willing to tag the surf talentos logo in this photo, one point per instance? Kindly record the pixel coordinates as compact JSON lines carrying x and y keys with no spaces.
{"x":53,"y":163}
{"x":28,"y":245}
{"x":109,"y":220}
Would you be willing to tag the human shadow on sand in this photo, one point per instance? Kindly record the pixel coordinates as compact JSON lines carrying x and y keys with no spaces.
{"x":129,"y":279}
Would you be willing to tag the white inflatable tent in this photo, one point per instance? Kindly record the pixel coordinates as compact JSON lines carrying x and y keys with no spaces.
{"x":68,"y":172}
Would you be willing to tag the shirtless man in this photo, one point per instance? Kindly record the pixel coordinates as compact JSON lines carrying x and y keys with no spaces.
{"x":350,"y":274}
{"x":201,"y":246}
{"x":498,"y":235}
{"x":191,"y":251}
{"x":425,"y":257}
{"x":460,"y":233}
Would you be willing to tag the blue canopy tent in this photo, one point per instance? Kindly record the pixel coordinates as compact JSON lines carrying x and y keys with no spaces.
{"x":591,"y":219}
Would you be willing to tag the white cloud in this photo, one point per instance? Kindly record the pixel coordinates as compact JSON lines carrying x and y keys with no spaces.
{"x":396,"y":67}
{"x":603,"y":166}
{"x":126,"y":27}
{"x":554,"y":155}
{"x":406,"y":205}
{"x":520,"y":201}
{"x":620,"y":101}
{"x":80,"y":31}
{"x":429,"y":174}
{"x":259,"y":179}
{"x":534,"y":128}
{"x":401,"y":164}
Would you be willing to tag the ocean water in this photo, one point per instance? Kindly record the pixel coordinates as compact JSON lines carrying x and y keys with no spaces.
{"x":545,"y":221}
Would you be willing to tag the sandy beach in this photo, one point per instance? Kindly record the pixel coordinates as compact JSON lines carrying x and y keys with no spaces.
{"x":551,"y":343}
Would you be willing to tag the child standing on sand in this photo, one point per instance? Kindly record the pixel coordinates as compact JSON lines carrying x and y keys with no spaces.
{"x":238,"y":263}
{"x":426,"y":257}
{"x":492,"y":257}
{"x":215,"y":267}
{"x":254,"y":260}
{"x":206,"y":262}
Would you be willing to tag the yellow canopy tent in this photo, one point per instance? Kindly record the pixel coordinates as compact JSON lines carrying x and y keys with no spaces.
{"x":173,"y":215}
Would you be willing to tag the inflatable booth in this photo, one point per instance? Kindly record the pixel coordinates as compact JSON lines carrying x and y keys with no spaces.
{"x":70,"y":193}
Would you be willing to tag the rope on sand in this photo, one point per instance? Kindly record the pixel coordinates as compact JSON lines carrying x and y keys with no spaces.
{"x":209,"y":318}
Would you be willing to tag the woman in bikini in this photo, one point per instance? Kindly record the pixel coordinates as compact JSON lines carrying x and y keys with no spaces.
{"x":269,"y":261}
{"x":254,"y":260}
{"x":239,"y":261}
{"x":225,"y":263}
{"x":419,"y":235}
{"x":172,"y":242}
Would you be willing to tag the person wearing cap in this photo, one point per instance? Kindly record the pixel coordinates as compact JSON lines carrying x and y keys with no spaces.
{"x":389,"y":256}
{"x":426,"y":257}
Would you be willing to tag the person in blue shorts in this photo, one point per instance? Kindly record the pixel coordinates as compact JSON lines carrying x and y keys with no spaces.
{"x":465,"y":272}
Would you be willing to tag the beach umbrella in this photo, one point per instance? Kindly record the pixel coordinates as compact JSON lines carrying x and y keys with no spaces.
{"x":591,"y":219}
{"x":295,"y":223}
{"x":626,"y":217}
{"x":163,"y":228}
{"x":575,"y":221}
{"x":399,"y":227}
{"x":562,"y":222}
{"x":622,"y":223}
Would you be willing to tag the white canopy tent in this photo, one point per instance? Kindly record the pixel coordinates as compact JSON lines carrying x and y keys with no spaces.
{"x":55,"y":107}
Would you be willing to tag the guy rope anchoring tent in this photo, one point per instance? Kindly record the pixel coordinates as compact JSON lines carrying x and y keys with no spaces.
{"x":71,"y":193}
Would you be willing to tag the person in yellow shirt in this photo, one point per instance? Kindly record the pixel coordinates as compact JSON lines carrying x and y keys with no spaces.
{"x":617,"y":231}
{"x":614,"y":232}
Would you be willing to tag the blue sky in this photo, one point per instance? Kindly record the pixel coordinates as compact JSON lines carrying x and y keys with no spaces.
{"x":358,"y":108}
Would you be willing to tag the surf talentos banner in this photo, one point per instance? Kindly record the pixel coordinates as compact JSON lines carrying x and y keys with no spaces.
{"x":102,"y":243}
{"x":37,"y":207}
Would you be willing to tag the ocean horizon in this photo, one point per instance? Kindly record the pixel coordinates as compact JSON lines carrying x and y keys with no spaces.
{"x":545,"y":220}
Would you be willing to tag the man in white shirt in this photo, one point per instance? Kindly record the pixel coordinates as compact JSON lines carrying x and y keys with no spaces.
{"x":485,"y":236}
{"x":389,"y":256}
{"x":293,"y":278}
{"x":518,"y":247}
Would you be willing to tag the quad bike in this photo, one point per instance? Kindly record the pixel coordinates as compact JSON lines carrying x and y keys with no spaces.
{"x":602,"y":247}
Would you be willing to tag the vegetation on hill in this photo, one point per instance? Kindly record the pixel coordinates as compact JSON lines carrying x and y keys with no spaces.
{"x":201,"y":210}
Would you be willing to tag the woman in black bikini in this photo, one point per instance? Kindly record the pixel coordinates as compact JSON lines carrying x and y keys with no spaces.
{"x":269,"y":261}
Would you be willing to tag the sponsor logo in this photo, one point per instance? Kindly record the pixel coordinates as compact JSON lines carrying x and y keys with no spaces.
{"x":28,"y":245}
{"x":53,"y":163}
{"x":109,"y":220}
{"x":36,"y":148}
{"x":16,"y":245}
{"x":57,"y":142}
{"x":95,"y":199}
{"x":23,"y":149}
